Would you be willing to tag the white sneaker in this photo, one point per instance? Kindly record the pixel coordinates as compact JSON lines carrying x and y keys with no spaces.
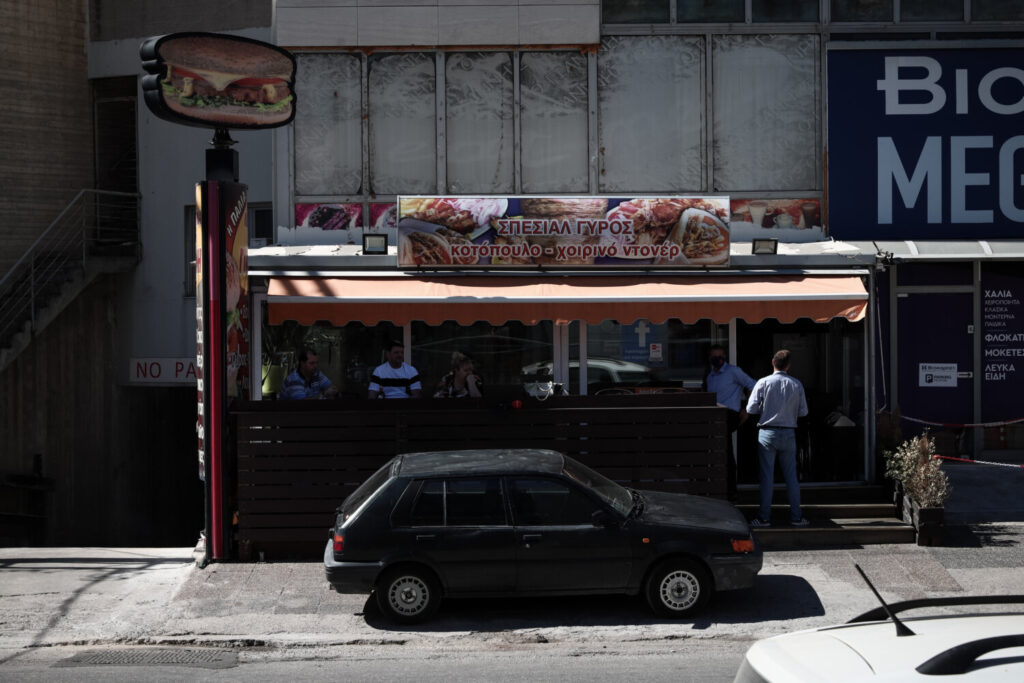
{"x":758,"y":522}
{"x":800,"y":522}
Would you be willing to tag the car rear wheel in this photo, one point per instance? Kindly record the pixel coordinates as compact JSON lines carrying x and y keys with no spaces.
{"x":678,"y":588}
{"x":408,"y":595}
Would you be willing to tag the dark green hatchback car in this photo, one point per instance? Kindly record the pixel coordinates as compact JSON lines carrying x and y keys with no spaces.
{"x":529,"y":522}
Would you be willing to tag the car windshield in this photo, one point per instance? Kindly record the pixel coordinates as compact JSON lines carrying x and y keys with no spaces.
{"x":617,"y":496}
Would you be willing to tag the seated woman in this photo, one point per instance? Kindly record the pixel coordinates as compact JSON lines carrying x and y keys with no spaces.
{"x":461,"y":382}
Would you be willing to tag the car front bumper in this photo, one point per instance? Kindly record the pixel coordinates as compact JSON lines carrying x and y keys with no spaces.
{"x":735,"y":571}
{"x":349,"y":577}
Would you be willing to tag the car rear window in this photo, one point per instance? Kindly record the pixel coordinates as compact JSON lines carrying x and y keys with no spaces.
{"x":366,"y":489}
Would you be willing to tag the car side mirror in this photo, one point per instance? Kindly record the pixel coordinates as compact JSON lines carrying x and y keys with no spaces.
{"x":602,"y":518}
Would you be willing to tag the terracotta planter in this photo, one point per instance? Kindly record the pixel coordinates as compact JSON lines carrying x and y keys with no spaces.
{"x":929,"y":523}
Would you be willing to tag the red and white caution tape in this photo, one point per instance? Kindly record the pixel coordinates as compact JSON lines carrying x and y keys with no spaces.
{"x":955,"y":425}
{"x":977,"y":462}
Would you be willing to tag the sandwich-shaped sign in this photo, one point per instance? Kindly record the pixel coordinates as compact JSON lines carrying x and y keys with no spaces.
{"x":214,"y":80}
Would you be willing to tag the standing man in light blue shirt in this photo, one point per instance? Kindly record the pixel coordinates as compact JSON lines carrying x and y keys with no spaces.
{"x":730,"y":385}
{"x":778,"y":400}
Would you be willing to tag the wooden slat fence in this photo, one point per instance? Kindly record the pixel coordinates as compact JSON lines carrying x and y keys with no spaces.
{"x":296,"y":461}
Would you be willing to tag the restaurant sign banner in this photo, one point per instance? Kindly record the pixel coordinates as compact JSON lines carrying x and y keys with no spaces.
{"x":556,"y":232}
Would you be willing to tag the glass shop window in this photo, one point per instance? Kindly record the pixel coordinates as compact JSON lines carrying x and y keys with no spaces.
{"x":328,"y":124}
{"x":635,"y":11}
{"x":861,"y":10}
{"x":553,"y":122}
{"x":997,"y":10}
{"x":931,"y":10}
{"x":641,"y":356}
{"x":403,"y":133}
{"x":500,"y":353}
{"x":347,"y":355}
{"x":709,"y":11}
{"x":658,"y":147}
{"x":784,"y":10}
{"x":479,"y":122}
{"x":766,"y":73}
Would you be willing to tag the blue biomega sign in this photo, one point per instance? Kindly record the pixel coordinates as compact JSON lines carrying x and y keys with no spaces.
{"x":926,"y":144}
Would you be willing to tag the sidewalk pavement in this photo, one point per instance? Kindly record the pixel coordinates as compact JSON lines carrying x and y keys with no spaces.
{"x":91,"y":596}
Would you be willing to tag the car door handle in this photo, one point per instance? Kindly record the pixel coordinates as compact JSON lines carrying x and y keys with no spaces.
{"x":425,"y":537}
{"x":530,"y":538}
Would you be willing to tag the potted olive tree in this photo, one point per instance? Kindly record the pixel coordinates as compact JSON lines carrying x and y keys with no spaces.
{"x":917,"y":473}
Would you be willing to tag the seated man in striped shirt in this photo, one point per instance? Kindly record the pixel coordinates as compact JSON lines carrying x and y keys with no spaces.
{"x":395,"y":378}
{"x":306,"y":380}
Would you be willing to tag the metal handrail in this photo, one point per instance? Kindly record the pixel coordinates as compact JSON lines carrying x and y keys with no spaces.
{"x":95,"y":223}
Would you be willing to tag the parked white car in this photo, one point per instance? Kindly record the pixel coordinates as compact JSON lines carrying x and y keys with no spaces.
{"x":982,"y":645}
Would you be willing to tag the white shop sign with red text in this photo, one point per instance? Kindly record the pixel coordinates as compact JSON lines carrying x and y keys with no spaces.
{"x":162,"y":370}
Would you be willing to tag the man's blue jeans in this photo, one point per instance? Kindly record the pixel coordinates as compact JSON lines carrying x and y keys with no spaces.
{"x":781,"y":443}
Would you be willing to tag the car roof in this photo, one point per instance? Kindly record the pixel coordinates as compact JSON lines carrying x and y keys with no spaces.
{"x":479,"y":461}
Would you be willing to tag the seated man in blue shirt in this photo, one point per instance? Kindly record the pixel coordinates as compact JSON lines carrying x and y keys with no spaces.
{"x":306,"y":381}
{"x":778,"y":400}
{"x":730,"y":385}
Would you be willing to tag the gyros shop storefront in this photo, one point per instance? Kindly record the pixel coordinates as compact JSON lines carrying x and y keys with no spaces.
{"x":582,"y":296}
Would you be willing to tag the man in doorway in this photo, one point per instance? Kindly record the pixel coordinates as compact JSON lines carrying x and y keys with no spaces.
{"x":394,"y":378}
{"x":778,"y":400}
{"x":730,"y":385}
{"x":306,"y":380}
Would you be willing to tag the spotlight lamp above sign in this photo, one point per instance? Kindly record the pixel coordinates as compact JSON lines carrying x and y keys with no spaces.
{"x":218,"y":81}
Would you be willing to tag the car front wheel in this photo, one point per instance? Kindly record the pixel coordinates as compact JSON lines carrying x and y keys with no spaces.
{"x":408,"y":595}
{"x":678,"y":588}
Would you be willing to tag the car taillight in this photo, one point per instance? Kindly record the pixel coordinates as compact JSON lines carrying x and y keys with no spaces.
{"x":339,"y":543}
{"x":740,"y":545}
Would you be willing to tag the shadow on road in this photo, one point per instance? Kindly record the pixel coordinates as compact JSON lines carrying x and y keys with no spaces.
{"x":761,"y":603}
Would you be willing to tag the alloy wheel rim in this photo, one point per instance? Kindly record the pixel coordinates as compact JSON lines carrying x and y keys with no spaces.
{"x":408,"y":595}
{"x":679,"y":590}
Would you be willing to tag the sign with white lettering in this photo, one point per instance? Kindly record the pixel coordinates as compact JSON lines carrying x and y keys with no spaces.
{"x":936,"y":374}
{"x":162,"y":370}
{"x":1002,"y":341}
{"x":926,"y":144}
{"x":538,"y":232}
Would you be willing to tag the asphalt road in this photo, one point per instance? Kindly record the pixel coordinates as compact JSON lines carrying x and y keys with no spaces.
{"x":677,"y":661}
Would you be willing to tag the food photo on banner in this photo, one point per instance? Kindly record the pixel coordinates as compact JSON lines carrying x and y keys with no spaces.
{"x":236,"y":291}
{"x":788,"y":220}
{"x":325,"y":224}
{"x":468,"y":232}
{"x":339,"y":224}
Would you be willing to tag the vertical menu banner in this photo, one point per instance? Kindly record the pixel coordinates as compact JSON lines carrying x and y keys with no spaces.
{"x":1002,"y":315}
{"x":200,"y":329}
{"x":221,"y":329}
{"x":236,"y":289}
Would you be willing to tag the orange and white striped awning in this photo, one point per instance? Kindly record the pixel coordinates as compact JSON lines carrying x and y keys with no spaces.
{"x":496,"y":299}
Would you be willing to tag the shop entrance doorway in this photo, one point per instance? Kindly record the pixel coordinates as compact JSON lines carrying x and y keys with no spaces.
{"x":829,"y":360}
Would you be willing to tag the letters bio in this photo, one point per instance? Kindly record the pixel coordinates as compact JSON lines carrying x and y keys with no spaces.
{"x":927,"y":96}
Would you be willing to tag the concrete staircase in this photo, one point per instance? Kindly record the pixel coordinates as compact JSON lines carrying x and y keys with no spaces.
{"x":839,"y":516}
